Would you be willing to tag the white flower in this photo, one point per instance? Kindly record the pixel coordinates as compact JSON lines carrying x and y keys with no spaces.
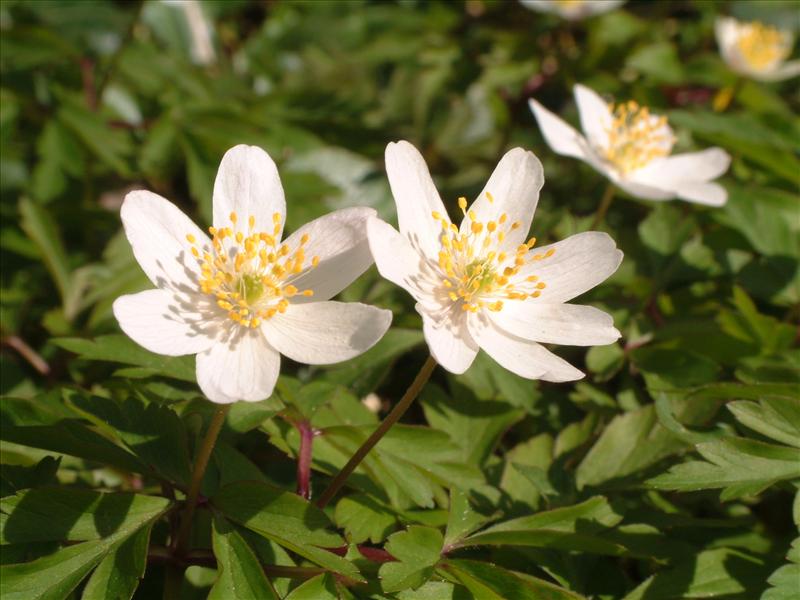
{"x":481,"y":284}
{"x":573,"y":9}
{"x":756,"y":50}
{"x":242,"y":298}
{"x":632,"y":147}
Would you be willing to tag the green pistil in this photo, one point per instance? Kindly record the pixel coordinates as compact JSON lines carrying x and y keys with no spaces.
{"x":481,"y":272}
{"x":251,"y":288}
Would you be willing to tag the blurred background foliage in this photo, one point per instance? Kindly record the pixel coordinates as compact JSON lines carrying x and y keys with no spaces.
{"x":98,"y":98}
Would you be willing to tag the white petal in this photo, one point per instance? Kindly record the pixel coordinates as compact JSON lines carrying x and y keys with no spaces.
{"x":164,"y":323}
{"x":157,"y":230}
{"x":642,"y":190}
{"x":244,"y":367}
{"x":398,"y":262}
{"x":575,"y":10}
{"x":248,"y":184}
{"x":570,"y":324}
{"x":559,"y":135}
{"x":785,"y":71}
{"x":526,"y":359}
{"x":595,"y":116}
{"x":710,"y":194}
{"x":339,"y":239}
{"x":666,"y":172}
{"x":514,"y":187}
{"x":725,"y":31}
{"x":579,"y":263}
{"x":415,"y":195}
{"x":450,"y":342}
{"x":322,"y":333}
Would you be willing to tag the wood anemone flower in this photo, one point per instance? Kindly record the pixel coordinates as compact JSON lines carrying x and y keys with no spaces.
{"x":240,"y":297}
{"x":481,"y":284}
{"x":632,"y":148}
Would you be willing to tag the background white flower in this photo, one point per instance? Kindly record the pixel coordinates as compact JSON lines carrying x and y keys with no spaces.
{"x":573,"y":9}
{"x":481,"y":284}
{"x":632,"y":147}
{"x":756,"y":50}
{"x":241,"y":298}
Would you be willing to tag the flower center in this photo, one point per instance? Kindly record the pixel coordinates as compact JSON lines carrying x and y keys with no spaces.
{"x":250,"y":274}
{"x":476,"y":272}
{"x":635,"y":137}
{"x":761,"y":45}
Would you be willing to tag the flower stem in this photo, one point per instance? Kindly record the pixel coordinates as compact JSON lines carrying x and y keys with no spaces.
{"x":605,"y":203}
{"x":411,"y":393}
{"x":174,"y":575}
{"x":304,"y":459}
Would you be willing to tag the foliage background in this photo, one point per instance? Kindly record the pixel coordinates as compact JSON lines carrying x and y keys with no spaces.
{"x":678,"y":453}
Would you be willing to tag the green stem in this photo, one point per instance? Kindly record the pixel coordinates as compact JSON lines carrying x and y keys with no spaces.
{"x":605,"y":203}
{"x":411,"y":393}
{"x":174,"y":576}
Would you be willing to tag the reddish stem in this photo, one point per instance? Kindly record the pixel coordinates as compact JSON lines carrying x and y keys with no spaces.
{"x":89,"y":87}
{"x":378,"y":555}
{"x":304,"y":458}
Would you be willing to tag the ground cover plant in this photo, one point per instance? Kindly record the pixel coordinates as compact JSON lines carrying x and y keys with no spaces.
{"x":210,"y":391}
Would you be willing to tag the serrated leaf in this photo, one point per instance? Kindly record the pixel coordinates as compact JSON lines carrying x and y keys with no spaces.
{"x":120,"y":572}
{"x":775,"y":417}
{"x":286,"y":519}
{"x":67,"y":514}
{"x":577,"y":527}
{"x":489,"y":582}
{"x":153,"y":432}
{"x":73,"y":438}
{"x":743,"y":467}
{"x":240,"y":575}
{"x":417,"y":550}
{"x":363,"y":519}
{"x":462,"y":519}
{"x":121,"y":349}
{"x":321,"y":587}
{"x":54,"y":576}
{"x":714,"y":573}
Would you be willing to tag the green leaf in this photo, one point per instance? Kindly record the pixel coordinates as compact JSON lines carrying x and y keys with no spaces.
{"x":67,"y":514}
{"x":14,"y":478}
{"x":240,"y":573}
{"x":121,"y":349}
{"x":721,"y":572}
{"x":364,"y":519}
{"x":120,"y":572}
{"x":417,"y":550}
{"x":321,"y":587}
{"x":435,"y":590}
{"x":742,"y":467}
{"x":784,"y":581}
{"x":775,"y":417}
{"x":474,"y":425}
{"x":42,"y":229}
{"x":54,"y":576}
{"x":153,"y":432}
{"x":72,"y":437}
{"x":286,"y":519}
{"x":577,"y":527}
{"x":489,"y":582}
{"x":635,"y":441}
{"x":462,"y":519}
